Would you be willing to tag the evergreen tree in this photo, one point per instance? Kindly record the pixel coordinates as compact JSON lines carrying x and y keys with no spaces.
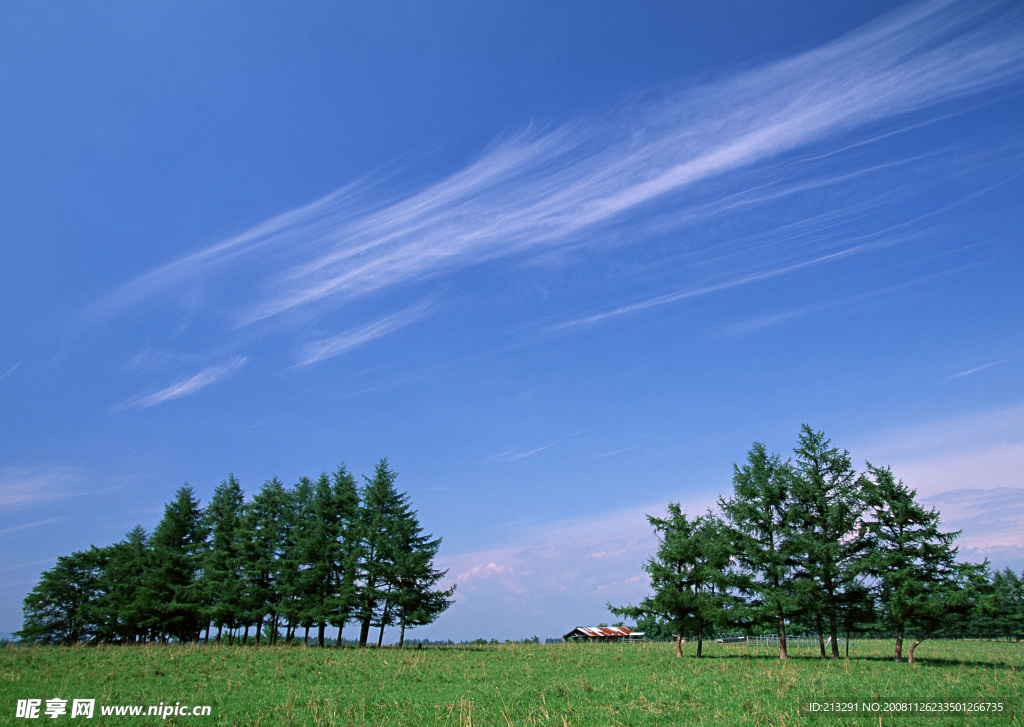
{"x":296,"y":584}
{"x":262,"y":535}
{"x":829,"y":538}
{"x":909,"y":556}
{"x":381,"y":509}
{"x":222,"y":581}
{"x":416,"y":601}
{"x":122,"y":603}
{"x":690,"y":576}
{"x":758,"y":517}
{"x":395,"y":574}
{"x":170,"y":592}
{"x":333,"y":551}
{"x":59,"y":609}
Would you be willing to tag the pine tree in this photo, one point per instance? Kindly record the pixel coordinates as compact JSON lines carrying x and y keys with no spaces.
{"x":334,"y":551}
{"x":829,"y":535}
{"x":381,"y":508}
{"x":58,"y":610}
{"x":296,"y":584}
{"x":122,"y":603}
{"x":170,"y":592}
{"x":758,"y":517}
{"x":395,"y":572}
{"x":262,"y":535}
{"x":222,"y":581}
{"x":909,"y":556}
{"x":690,"y":576}
{"x":416,"y":601}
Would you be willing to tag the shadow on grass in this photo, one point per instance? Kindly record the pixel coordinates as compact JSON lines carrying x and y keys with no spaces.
{"x":919,"y":659}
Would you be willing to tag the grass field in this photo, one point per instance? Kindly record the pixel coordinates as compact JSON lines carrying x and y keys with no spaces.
{"x":519,"y":684}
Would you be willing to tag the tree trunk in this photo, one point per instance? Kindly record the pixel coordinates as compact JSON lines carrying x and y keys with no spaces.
{"x":245,"y":639}
{"x":679,"y":645}
{"x":821,"y":637}
{"x":340,"y":627}
{"x":259,"y":630}
{"x":700,"y":640}
{"x":364,"y":631}
{"x":320,"y":634}
{"x":305,"y":636}
{"x":910,"y":659}
{"x":220,"y":630}
{"x":783,"y":654}
{"x":401,"y":637}
{"x":833,"y":634}
{"x":898,"y":657}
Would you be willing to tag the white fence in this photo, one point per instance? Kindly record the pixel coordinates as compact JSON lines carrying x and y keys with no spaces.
{"x":773,"y":641}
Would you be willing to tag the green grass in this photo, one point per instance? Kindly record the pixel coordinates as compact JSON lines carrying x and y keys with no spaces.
{"x":573,"y":684}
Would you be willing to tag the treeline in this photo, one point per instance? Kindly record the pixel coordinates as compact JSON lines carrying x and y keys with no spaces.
{"x":321,"y":553}
{"x":812,"y":545}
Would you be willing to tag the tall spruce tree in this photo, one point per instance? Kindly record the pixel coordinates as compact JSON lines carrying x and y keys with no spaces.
{"x":413,"y":582}
{"x":758,"y":521}
{"x":172,"y":595}
{"x":296,"y":584}
{"x":395,"y":574}
{"x":690,"y":576}
{"x":122,"y":602}
{"x":909,"y":556}
{"x":382,"y":507}
{"x":829,"y":536}
{"x":338,"y":508}
{"x":262,"y":535}
{"x":222,"y":581}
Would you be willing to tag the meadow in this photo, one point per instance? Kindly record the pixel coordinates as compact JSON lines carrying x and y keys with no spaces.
{"x":522,"y":684}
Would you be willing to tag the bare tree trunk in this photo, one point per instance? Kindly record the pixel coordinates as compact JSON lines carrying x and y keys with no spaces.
{"x":305,"y":636}
{"x":899,"y":645}
{"x":364,"y":631}
{"x":700,"y":639}
{"x":821,"y":636}
{"x":833,"y":634}
{"x":320,"y":629}
{"x":783,"y":654}
{"x":401,"y":638}
{"x":679,"y":645}
{"x":340,"y":627}
{"x":910,"y":659}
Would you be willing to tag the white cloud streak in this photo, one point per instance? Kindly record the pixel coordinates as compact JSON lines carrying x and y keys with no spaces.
{"x":22,"y":486}
{"x":188,"y":386}
{"x":11,"y":370}
{"x":28,"y":526}
{"x":969,"y":372}
{"x":354,"y":338}
{"x":548,"y":189}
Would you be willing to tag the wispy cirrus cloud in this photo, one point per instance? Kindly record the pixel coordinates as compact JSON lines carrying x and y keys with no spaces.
{"x":20,"y":486}
{"x":29,"y":526}
{"x":547,"y":189}
{"x":185,"y":387}
{"x":514,"y":455}
{"x":343,"y":342}
{"x":11,"y":370}
{"x":970,"y":372}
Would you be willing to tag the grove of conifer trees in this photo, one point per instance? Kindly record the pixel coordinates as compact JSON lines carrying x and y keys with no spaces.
{"x":321,"y":553}
{"x":811,"y":544}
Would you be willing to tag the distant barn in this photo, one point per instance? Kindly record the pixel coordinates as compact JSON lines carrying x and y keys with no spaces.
{"x":603,"y":633}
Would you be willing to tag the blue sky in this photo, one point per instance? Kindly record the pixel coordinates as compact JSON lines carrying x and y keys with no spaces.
{"x":560,"y":267}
